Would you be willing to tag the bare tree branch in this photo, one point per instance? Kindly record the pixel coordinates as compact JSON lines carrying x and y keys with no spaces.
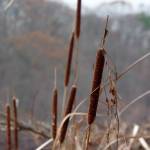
{"x":25,"y":126}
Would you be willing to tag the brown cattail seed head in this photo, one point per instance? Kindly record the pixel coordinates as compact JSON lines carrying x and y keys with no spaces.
{"x":69,"y":61}
{"x":54,"y":113}
{"x":67,"y":111}
{"x":98,"y":71}
{"x":8,"y":128}
{"x":15,"y":122}
{"x":78,"y":19}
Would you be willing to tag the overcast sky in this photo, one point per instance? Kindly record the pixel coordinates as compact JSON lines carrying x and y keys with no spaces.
{"x":93,"y":3}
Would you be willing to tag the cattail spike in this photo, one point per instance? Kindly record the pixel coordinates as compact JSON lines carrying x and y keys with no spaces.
{"x":54,"y":113}
{"x":67,"y":111}
{"x":54,"y":107}
{"x":97,"y":77}
{"x":15,"y":123}
{"x":105,"y":32}
{"x":55,"y":78}
{"x":78,"y":19}
{"x":69,"y":61}
{"x":8,"y":128}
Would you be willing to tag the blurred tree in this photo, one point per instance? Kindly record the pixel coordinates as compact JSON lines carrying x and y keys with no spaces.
{"x":145,"y":20}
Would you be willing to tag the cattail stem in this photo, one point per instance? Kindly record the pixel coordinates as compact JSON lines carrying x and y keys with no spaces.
{"x":105,"y":33}
{"x":87,"y":137}
{"x":67,"y":111}
{"x":97,"y":78}
{"x":8,"y":128}
{"x":78,"y":19}
{"x":15,"y":123}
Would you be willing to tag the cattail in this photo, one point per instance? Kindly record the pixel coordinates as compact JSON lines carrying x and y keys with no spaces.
{"x":54,"y":112}
{"x":8,"y":128}
{"x":97,"y":77}
{"x":78,"y":19}
{"x":67,"y":111}
{"x":54,"y":107}
{"x":70,"y":54}
{"x":15,"y":123}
